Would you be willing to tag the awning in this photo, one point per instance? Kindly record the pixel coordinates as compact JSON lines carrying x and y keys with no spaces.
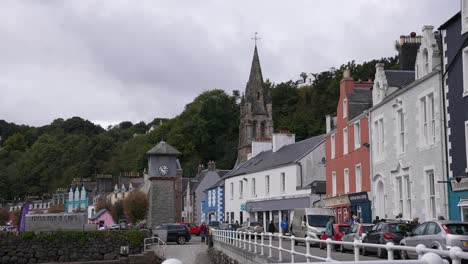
{"x":280,"y":204}
{"x":462,"y":202}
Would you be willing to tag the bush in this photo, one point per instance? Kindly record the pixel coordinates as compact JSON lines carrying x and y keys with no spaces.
{"x":117,"y":211}
{"x":135,"y":206}
{"x":57,"y":208}
{"x":4,"y":216}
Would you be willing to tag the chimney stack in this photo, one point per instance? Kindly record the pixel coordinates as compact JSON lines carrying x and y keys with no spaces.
{"x":200,"y":167}
{"x":211,"y":165}
{"x":408,"y":49}
{"x":282,"y":139}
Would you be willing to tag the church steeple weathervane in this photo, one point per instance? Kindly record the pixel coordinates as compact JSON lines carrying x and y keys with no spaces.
{"x":255,"y":38}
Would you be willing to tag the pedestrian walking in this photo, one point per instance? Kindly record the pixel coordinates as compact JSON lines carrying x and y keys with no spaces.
{"x":203,"y":232}
{"x":284,"y":226}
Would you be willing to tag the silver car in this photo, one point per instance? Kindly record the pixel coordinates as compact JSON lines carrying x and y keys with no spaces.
{"x":358,"y":231}
{"x":437,"y":235}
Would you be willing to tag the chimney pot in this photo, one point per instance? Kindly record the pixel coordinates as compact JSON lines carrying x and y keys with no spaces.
{"x":346,"y":73}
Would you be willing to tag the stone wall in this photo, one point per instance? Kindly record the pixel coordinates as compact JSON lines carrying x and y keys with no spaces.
{"x":68,"y":246}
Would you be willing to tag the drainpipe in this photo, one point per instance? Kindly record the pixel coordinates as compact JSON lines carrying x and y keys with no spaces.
{"x":444,"y":131}
{"x":371,"y":167}
{"x":300,"y":169}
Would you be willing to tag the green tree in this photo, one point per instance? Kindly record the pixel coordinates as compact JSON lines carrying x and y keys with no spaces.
{"x":15,"y":143}
{"x":136,"y":206}
{"x":117,"y":210}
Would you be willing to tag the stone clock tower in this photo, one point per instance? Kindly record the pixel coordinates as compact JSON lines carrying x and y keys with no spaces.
{"x":165,"y":174}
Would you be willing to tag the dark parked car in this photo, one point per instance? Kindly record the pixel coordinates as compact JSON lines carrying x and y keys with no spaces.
{"x":175,"y":233}
{"x":385,"y":232}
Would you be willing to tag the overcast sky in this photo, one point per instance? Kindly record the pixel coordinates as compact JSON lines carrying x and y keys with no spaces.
{"x":110,"y":61}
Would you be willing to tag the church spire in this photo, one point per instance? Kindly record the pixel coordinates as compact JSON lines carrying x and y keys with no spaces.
{"x":256,"y":121}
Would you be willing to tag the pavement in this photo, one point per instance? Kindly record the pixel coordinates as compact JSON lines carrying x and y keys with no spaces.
{"x":193,"y":252}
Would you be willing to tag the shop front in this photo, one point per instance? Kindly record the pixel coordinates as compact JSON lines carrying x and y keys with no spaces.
{"x":341,"y":206}
{"x":458,"y":200}
{"x":361,"y":206}
{"x":274,"y":210}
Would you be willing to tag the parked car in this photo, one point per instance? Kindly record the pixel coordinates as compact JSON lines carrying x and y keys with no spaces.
{"x":226,"y":226}
{"x":193,"y":228}
{"x":385,"y":232}
{"x":309,"y":222}
{"x":254,"y":227}
{"x":437,"y":235}
{"x":213,"y":224}
{"x":339,"y":231}
{"x":114,"y":227}
{"x":358,"y":231}
{"x":175,"y":233}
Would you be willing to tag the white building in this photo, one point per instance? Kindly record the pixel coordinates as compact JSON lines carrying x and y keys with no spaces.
{"x":276,"y":179}
{"x":406,"y":129}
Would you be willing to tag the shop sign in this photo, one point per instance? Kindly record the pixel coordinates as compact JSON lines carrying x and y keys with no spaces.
{"x":358,"y":197}
{"x":337,"y":200}
{"x":460,"y":186}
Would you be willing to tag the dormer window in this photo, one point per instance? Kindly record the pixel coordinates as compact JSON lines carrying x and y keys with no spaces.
{"x":345,"y":108}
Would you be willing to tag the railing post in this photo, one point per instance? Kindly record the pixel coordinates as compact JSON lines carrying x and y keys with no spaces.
{"x":454,"y":256}
{"x":356,"y":249}
{"x":244,"y":239}
{"x":255,"y":242}
{"x":329,"y":249}
{"x":269,"y":245}
{"x":389,"y":247}
{"x":262,"y":244}
{"x":307,"y":243}
{"x":419,"y":250}
{"x":250,"y":240}
{"x":432,"y":258}
{"x":280,"y":247}
{"x":292,"y":247}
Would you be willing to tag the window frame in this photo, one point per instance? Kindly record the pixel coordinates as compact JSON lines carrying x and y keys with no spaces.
{"x":254,"y":183}
{"x":345,"y":141}
{"x":334,"y":183}
{"x":332,"y":145}
{"x":346,"y":180}
{"x":431,"y":193}
{"x":241,"y":188}
{"x":464,"y":16}
{"x":345,"y":108}
{"x":232,"y":190}
{"x":358,"y":179}
{"x":282,"y":182}
{"x":401,"y":131}
{"x":357,"y":136}
{"x":267,"y":185}
{"x":466,"y":145}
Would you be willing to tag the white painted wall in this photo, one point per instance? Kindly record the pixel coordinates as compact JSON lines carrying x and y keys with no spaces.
{"x":414,"y":161}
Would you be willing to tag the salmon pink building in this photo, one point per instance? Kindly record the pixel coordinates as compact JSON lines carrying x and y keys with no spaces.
{"x":347,"y":152}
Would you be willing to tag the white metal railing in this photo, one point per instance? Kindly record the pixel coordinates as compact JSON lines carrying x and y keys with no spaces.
{"x":244,"y":240}
{"x":149,"y":242}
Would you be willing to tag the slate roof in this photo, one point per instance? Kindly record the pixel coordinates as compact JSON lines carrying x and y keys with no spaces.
{"x":162,"y":148}
{"x":358,"y":101}
{"x":99,"y":214}
{"x":284,"y":156}
{"x":398,"y":78}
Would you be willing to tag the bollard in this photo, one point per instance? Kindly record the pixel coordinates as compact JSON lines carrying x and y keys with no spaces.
{"x":261,"y":249}
{"x":255,"y":242}
{"x":307,"y":242}
{"x":356,"y":249}
{"x":389,"y":247}
{"x":269,"y":246}
{"x":454,"y":255}
{"x":292,"y":248}
{"x":280,"y":247}
{"x":419,"y":249}
{"x":250,"y":241}
{"x":329,"y":249}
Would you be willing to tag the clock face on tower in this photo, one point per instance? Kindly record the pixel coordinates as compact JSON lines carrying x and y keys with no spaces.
{"x":163,"y":170}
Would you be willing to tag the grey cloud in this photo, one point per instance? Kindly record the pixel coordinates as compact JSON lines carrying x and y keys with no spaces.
{"x":136,"y":60}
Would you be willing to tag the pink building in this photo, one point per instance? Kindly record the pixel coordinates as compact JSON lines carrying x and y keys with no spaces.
{"x":102,"y":218}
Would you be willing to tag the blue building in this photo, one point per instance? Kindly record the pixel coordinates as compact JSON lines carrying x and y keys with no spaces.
{"x":212,"y":206}
{"x":454,"y":40}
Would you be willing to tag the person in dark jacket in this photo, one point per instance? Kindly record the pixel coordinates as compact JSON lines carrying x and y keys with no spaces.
{"x":203,"y":232}
{"x":271,"y":227}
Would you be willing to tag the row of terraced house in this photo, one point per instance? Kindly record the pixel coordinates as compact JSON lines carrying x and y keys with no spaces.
{"x":397,"y":144}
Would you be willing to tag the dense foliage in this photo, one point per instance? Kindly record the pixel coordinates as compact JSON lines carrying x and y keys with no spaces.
{"x":135,"y":206}
{"x":37,"y":160}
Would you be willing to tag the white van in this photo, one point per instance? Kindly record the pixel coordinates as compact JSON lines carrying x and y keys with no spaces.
{"x":309,"y":222}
